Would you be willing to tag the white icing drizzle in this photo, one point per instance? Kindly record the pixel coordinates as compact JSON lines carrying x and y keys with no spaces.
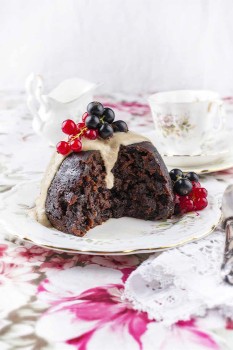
{"x":109,"y":151}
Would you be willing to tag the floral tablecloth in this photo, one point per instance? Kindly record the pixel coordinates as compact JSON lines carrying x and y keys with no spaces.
{"x":54,"y":300}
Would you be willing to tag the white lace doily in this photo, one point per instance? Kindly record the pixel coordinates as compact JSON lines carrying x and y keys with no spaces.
{"x":181,"y":283}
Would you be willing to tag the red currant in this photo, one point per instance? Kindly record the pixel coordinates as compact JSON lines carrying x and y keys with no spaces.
{"x":200,"y":203}
{"x":63,"y":148}
{"x":200,"y":192}
{"x":186,"y":205}
{"x":80,"y":126}
{"x":69,"y":127}
{"x":85,"y":115}
{"x":76,"y":145}
{"x":196,"y":184}
{"x":177,"y":199}
{"x":189,"y":205}
{"x":183,"y":198}
{"x":91,"y":134}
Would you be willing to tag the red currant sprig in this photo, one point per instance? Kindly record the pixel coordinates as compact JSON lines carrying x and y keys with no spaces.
{"x":75,"y":132}
{"x":102,"y":119}
{"x":98,"y":121}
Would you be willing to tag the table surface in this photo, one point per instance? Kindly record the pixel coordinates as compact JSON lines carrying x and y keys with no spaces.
{"x":55,"y":300}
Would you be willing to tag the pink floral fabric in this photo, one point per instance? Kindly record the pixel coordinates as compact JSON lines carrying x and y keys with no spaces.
{"x":74,"y":302}
{"x":55,"y":300}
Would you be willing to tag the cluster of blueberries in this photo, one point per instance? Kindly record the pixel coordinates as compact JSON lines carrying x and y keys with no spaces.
{"x":183,"y":182}
{"x":102,"y":119}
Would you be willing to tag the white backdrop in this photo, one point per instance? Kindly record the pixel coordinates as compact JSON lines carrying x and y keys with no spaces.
{"x":129,"y":45}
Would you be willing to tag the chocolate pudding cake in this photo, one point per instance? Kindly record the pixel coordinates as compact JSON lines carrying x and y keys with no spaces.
{"x":111,"y":177}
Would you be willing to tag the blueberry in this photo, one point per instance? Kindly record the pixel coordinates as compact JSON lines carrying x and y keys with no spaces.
{"x":95,"y":108}
{"x":120,"y":126}
{"x":175,"y":174}
{"x":192,"y":176}
{"x":106,"y":131}
{"x":92,"y":122}
{"x":183,"y":187}
{"x":108,"y":115}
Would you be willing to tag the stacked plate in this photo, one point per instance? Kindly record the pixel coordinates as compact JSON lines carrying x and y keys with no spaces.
{"x":216,"y":155}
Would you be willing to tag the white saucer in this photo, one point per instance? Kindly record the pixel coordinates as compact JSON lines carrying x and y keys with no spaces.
{"x":196,"y":160}
{"x":221,"y":164}
{"x":216,"y":155}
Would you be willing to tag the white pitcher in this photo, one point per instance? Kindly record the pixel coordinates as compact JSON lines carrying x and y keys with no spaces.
{"x":67,"y":101}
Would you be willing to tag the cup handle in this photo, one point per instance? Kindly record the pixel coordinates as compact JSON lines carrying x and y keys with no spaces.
{"x":221,"y":113}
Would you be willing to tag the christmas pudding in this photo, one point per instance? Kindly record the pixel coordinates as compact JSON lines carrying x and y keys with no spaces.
{"x":103,"y":171}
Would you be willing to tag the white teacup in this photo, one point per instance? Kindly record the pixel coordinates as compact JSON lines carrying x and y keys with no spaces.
{"x":186,"y":119}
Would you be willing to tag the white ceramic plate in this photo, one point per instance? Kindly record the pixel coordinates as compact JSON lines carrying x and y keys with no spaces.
{"x":116,"y":236}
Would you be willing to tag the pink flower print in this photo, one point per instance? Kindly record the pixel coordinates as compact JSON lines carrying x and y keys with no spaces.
{"x":167,"y":120}
{"x":16,"y":286}
{"x":132,"y":107}
{"x":16,"y":273}
{"x":197,"y":335}
{"x":62,"y":261}
{"x":164,"y":120}
{"x":31,"y":254}
{"x":117,"y":261}
{"x":95,"y":310}
{"x":86,"y":310}
{"x":184,"y":335}
{"x":59,"y":262}
{"x":229,"y":324}
{"x":228,"y":99}
{"x":3,"y":248}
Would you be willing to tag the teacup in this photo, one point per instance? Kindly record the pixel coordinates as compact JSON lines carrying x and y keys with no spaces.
{"x":186,"y":119}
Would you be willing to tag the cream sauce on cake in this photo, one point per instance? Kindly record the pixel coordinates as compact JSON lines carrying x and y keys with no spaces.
{"x":109,"y":151}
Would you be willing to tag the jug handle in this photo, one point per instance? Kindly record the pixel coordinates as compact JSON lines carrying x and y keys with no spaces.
{"x":35,"y":99}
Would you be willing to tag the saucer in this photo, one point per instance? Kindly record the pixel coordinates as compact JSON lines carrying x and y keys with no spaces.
{"x":196,"y":160}
{"x":216,"y":155}
{"x":221,"y":164}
